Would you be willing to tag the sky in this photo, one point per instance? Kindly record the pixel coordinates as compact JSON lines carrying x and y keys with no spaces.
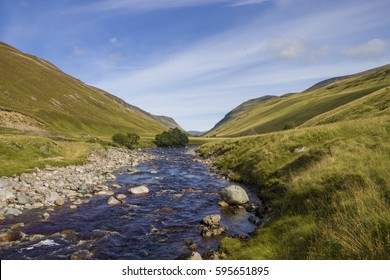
{"x":195,"y":60}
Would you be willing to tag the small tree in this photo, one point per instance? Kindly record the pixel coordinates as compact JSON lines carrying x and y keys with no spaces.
{"x":172,"y":138}
{"x":130,"y":140}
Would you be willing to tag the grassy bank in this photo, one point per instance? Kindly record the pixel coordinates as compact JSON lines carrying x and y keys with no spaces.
{"x":22,"y":153}
{"x":332,"y":201}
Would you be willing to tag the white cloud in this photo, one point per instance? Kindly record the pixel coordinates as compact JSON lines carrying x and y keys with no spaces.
{"x":371,"y":49}
{"x":286,"y":48}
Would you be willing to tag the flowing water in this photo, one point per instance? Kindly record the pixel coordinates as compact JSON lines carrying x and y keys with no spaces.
{"x":159,"y":225}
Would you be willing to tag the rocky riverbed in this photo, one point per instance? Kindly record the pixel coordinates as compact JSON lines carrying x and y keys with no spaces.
{"x":168,"y":207}
{"x":72,"y":185}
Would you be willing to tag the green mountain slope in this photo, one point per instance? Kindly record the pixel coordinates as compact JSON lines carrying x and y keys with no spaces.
{"x":291,"y":110}
{"x":44,"y":98}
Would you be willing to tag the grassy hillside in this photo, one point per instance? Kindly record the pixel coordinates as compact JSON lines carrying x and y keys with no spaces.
{"x":293,"y":110}
{"x":59,"y":103}
{"x":331,"y":201}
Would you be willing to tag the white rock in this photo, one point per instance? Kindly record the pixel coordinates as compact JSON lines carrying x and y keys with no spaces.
{"x":234,"y":195}
{"x":195,"y":256}
{"x":139,"y":190}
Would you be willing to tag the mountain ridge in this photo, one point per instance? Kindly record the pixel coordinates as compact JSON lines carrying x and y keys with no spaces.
{"x":257,"y":116}
{"x":37,"y":89}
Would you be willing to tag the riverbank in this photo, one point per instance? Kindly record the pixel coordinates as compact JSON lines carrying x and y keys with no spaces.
{"x":328,"y":185}
{"x":73,"y":185}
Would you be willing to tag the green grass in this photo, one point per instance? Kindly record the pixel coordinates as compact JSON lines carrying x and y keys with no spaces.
{"x":63,"y":104}
{"x":333,"y":200}
{"x":22,"y":153}
{"x":257,"y":117}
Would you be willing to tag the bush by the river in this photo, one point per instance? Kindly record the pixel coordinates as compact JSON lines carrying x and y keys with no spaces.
{"x":174,"y":137}
{"x":129,"y":140}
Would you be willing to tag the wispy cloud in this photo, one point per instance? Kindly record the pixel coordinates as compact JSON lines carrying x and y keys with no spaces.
{"x":238,"y":3}
{"x":245,"y":62}
{"x":371,"y":49}
{"x":287,"y":48}
{"x":106,"y":5}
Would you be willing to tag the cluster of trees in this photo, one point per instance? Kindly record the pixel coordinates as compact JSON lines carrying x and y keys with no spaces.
{"x":174,"y":137}
{"x":129,"y":140}
{"x":171,"y":138}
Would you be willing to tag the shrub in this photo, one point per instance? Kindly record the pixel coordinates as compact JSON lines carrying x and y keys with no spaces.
{"x":172,"y":138}
{"x":289,"y":125}
{"x":130,"y":140}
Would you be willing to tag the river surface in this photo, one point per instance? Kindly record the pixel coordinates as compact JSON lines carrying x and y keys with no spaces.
{"x":159,"y":225}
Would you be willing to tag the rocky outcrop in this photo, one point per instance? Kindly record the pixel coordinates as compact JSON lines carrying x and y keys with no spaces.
{"x":234,"y":195}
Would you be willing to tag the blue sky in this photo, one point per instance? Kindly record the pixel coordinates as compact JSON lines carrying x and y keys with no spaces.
{"x":195,"y":60}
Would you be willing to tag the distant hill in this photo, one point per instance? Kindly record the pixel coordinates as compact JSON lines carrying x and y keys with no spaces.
{"x":336,"y":99}
{"x":36,"y":95}
{"x":167,"y":121}
{"x":196,"y":133}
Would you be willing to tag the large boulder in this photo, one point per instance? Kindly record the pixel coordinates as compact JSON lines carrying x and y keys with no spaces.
{"x":234,"y":195}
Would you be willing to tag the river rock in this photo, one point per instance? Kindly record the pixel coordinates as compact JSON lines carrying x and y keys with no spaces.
{"x":121,"y":197}
{"x":6,"y":194}
{"x":212,"y":220}
{"x":210,"y":232}
{"x":195,"y":256}
{"x":223,"y":204}
{"x":113,"y":201}
{"x":6,"y":237}
{"x":4,"y":183}
{"x":27,"y":178}
{"x":234,"y":195}
{"x":22,"y":199}
{"x":139,"y":190}
{"x":84,"y":189}
{"x":81,"y":255}
{"x":12,"y":211}
{"x":59,"y":201}
{"x":51,"y":197}
{"x":46,"y":215}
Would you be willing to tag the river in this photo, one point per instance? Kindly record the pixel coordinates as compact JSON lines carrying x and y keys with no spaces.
{"x":159,"y":225}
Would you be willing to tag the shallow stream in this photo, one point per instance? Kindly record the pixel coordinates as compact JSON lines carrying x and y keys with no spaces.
{"x":159,"y":225}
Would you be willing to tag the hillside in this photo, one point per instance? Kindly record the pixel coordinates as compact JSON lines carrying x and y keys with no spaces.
{"x":325,"y":190}
{"x":292,"y":110}
{"x":35,"y":95}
